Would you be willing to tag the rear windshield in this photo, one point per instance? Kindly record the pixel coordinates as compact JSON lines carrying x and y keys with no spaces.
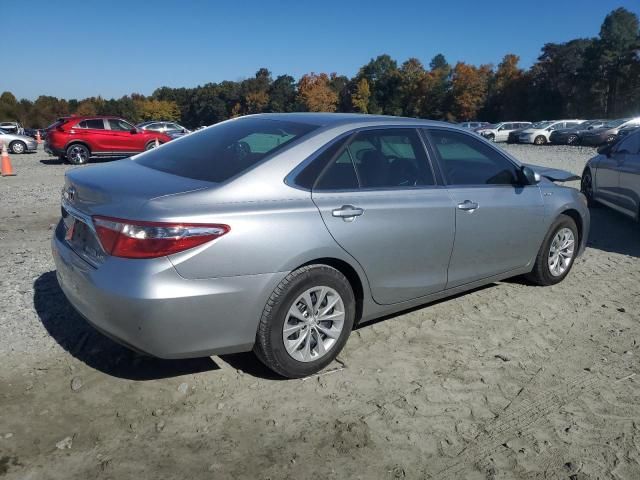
{"x":220,"y":152}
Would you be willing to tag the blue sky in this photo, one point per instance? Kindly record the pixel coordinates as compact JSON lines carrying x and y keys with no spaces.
{"x":75,"y":49}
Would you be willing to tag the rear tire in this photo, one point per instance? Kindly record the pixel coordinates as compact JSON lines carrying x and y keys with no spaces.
{"x":557,"y":253}
{"x":78,"y":154}
{"x":540,"y":140}
{"x":17,"y":147}
{"x":286,"y":319}
{"x":572,"y":140}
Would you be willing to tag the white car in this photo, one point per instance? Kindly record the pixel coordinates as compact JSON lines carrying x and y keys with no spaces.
{"x":500,"y":131}
{"x":540,"y":135}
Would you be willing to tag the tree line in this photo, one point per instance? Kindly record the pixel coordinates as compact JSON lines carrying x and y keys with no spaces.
{"x":583,"y":78}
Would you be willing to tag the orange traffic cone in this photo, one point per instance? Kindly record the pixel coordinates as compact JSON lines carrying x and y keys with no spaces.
{"x":38,"y":137}
{"x":157,"y":143}
{"x":5,"y":164}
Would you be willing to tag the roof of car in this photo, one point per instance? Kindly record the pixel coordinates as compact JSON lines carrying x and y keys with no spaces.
{"x":334,"y":119}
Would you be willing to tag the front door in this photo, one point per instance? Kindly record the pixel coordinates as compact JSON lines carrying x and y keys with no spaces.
{"x":124,"y":137}
{"x":378,"y":199}
{"x":499,"y":220}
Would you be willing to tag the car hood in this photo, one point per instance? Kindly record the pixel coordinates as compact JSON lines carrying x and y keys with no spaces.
{"x":553,"y":174}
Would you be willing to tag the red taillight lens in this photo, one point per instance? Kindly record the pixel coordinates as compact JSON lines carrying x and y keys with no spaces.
{"x":136,"y":239}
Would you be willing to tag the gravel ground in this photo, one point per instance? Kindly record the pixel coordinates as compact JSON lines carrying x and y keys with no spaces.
{"x":507,"y":381}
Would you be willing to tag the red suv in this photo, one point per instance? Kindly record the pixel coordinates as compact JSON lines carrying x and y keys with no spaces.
{"x":76,"y":139}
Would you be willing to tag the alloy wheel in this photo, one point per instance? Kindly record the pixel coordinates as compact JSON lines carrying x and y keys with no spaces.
{"x":561,"y":252}
{"x":313,"y":324}
{"x":17,"y":147}
{"x":77,"y":154}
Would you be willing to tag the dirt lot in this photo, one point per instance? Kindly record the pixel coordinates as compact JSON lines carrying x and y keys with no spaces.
{"x":508,"y":381}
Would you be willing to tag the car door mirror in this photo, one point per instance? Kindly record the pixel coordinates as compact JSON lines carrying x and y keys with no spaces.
{"x":133,"y":130}
{"x":531,"y":177}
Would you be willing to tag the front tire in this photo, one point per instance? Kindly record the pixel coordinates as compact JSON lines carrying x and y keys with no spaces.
{"x":557,"y":253}
{"x":306,"y":321}
{"x":540,"y":140}
{"x":18,"y":147}
{"x":491,"y":138}
{"x":78,"y":154}
{"x":572,"y":140}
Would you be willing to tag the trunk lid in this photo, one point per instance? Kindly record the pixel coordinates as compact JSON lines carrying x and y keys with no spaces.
{"x":117,"y":189}
{"x":121,"y":188}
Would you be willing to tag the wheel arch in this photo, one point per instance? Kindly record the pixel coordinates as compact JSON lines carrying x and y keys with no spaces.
{"x":576,"y":217}
{"x":77,"y":142}
{"x":357,"y":284}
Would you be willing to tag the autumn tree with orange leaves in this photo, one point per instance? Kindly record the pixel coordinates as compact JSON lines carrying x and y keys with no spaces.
{"x":315,"y":93}
{"x":469,"y":86}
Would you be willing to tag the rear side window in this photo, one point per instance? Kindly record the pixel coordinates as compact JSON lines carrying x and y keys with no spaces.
{"x":218,"y":153}
{"x":340,"y":174}
{"x":95,"y":124}
{"x":390,"y":158}
{"x":468,"y":161}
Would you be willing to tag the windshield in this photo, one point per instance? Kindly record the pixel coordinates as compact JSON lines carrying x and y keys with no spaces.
{"x":220,"y":152}
{"x":615,"y":123}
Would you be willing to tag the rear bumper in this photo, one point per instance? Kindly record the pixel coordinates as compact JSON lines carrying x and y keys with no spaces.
{"x":146,"y":305}
{"x":51,"y":150}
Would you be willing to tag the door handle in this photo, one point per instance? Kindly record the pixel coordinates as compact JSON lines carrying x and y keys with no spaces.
{"x":347,"y":212}
{"x":468,"y":206}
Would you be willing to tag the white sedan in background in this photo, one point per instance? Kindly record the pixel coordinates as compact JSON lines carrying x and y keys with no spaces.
{"x":540,"y":135}
{"x":500,"y":131}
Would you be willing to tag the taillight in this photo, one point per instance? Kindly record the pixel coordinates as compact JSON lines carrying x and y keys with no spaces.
{"x":137,"y":239}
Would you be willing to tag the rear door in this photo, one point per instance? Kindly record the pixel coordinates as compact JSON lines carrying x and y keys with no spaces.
{"x":92,"y":131}
{"x":499,"y":221}
{"x":123,"y":137}
{"x":379,"y":199}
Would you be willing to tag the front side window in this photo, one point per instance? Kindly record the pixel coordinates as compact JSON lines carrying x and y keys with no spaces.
{"x":218,"y":153}
{"x":390,"y":158}
{"x":468,"y":161}
{"x":119,"y":125}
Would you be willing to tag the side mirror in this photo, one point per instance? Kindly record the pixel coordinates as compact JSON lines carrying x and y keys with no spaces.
{"x":531,"y":177}
{"x":133,"y":130}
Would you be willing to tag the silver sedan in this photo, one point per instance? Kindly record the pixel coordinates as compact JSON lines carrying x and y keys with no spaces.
{"x":278,"y":232}
{"x":612,"y":178}
{"x":18,"y":143}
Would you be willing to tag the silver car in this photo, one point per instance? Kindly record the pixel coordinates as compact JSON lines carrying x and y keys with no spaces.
{"x":18,"y":143}
{"x":279,"y":232}
{"x":612,"y":178}
{"x":500,"y":131}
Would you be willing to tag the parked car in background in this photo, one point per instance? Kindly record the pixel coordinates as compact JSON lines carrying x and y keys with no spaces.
{"x":472,"y":125}
{"x":539,"y":134}
{"x":624,"y":131}
{"x":76,"y":139}
{"x":500,"y":131}
{"x":608,"y":132}
{"x":514,"y":134}
{"x":172,"y":129}
{"x":572,"y":135}
{"x":18,"y":143}
{"x":12,"y":127}
{"x":168,"y":251}
{"x":612,"y":178}
{"x":33,"y":132}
